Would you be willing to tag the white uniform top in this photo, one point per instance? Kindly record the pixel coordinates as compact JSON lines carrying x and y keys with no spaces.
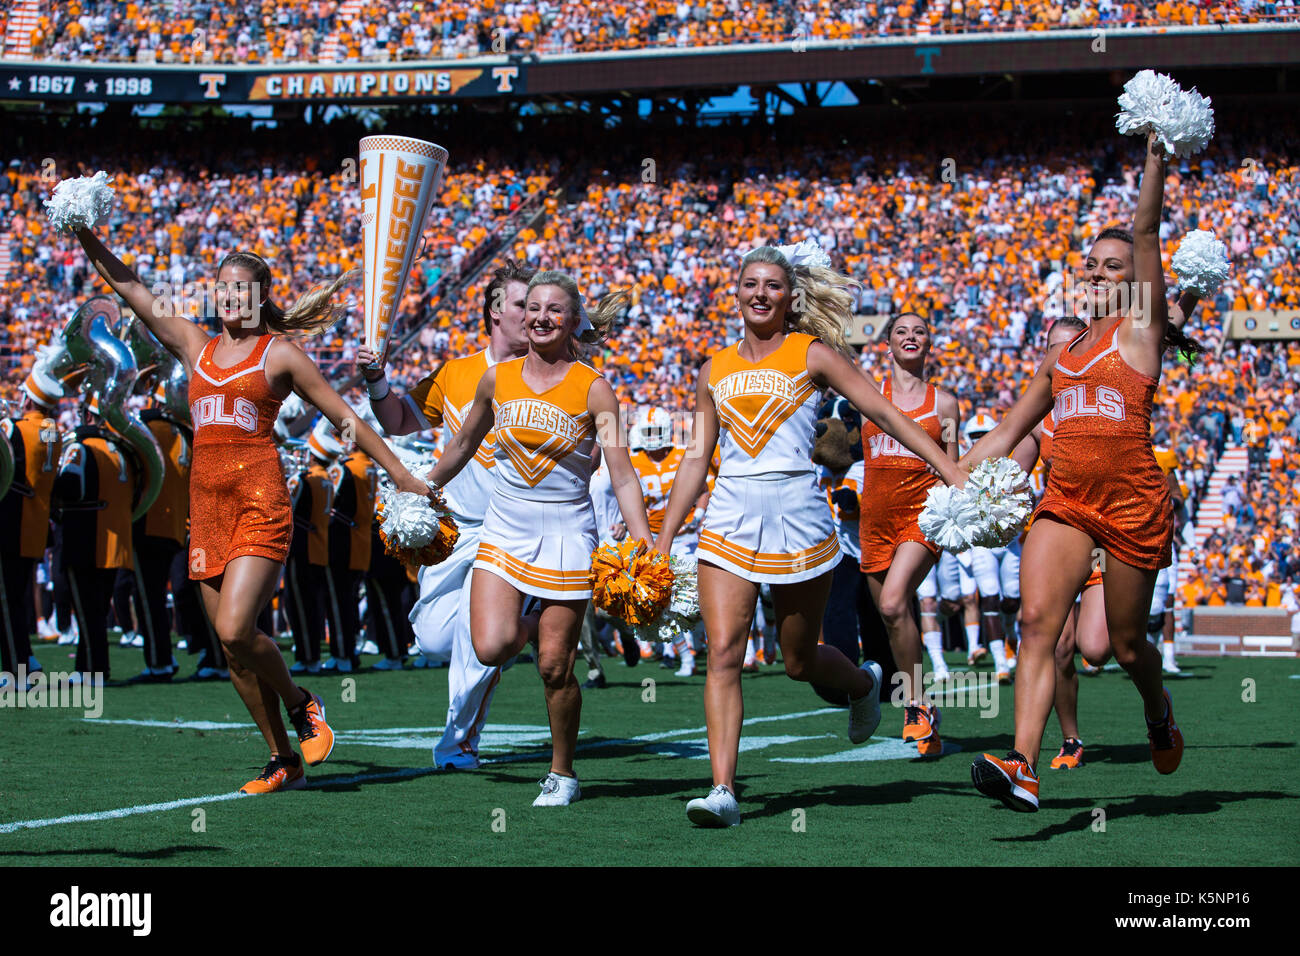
{"x":604,"y":503}
{"x":544,"y":441}
{"x":445,"y":398}
{"x":766,"y":411}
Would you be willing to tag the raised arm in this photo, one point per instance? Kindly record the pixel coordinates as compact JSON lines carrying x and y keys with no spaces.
{"x":1182,"y":310}
{"x":179,"y":335}
{"x":1143,"y":336}
{"x":603,"y":405}
{"x":1029,"y":410}
{"x":460,"y":449}
{"x":393,"y":410}
{"x":693,"y":473}
{"x":831,"y":368}
{"x":290,"y":364}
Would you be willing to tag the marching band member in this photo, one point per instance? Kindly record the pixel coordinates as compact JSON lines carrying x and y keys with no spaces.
{"x":306,"y":590}
{"x":25,"y":514}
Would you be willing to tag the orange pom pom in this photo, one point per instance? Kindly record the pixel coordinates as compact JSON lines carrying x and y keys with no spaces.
{"x":631,"y":582}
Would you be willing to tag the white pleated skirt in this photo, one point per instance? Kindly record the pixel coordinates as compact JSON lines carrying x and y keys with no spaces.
{"x":771,"y":530}
{"x":543,"y":548}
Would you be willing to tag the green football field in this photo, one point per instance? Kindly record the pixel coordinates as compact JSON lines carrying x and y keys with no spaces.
{"x":150,"y":781}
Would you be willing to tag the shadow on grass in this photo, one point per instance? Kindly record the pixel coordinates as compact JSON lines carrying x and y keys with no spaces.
{"x":162,"y":853}
{"x":1146,"y":805}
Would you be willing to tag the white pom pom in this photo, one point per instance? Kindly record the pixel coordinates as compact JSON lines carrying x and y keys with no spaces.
{"x":80,"y":203}
{"x":806,"y":252}
{"x":408,"y":519}
{"x":1201,"y":263}
{"x":949,"y":518}
{"x":988,"y":512}
{"x":1182,"y":119}
{"x":683,"y":611}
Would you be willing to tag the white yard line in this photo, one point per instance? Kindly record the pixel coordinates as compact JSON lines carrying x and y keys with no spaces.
{"x":336,"y":781}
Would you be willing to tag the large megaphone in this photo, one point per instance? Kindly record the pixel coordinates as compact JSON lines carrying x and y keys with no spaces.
{"x":400,"y":177}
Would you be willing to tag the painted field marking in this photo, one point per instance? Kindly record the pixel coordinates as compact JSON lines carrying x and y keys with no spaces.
{"x":339,"y":781}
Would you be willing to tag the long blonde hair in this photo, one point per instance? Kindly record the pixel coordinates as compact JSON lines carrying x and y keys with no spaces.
{"x":821,"y":299}
{"x":313,"y":313}
{"x":603,"y":317}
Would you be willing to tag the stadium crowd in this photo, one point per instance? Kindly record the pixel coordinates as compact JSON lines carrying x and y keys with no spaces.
{"x":301,"y":30}
{"x":982,"y":242}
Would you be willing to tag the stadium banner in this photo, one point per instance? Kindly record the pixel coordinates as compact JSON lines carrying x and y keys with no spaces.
{"x":801,"y":60}
{"x":1264,"y":324}
{"x":209,"y":83}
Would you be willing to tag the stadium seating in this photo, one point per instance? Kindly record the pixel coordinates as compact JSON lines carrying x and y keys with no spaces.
{"x":192,"y":31}
{"x":979,"y":255}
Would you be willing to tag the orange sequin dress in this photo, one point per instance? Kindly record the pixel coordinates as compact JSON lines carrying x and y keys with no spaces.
{"x":1104,"y":478}
{"x":239,"y":502}
{"x":894,"y":486}
{"x":1045,"y":453}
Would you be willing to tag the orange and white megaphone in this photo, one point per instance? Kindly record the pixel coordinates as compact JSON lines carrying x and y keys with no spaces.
{"x":400,"y":177}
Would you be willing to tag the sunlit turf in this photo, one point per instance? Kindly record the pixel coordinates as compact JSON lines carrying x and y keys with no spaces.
{"x":1233,"y":801}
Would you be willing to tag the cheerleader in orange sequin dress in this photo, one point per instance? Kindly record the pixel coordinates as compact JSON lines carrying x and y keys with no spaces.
{"x":240,"y":518}
{"x":1105,"y":493}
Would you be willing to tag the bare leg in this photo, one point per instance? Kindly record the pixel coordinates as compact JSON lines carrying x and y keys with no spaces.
{"x":727,"y":608}
{"x":1057,"y":560}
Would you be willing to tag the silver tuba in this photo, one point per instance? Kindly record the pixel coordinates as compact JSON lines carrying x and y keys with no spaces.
{"x":111,"y":373}
{"x":159,"y":365}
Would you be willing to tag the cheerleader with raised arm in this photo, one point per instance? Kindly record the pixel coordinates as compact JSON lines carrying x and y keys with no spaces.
{"x":767,"y":521}
{"x":1105,"y":490}
{"x":240,"y":514}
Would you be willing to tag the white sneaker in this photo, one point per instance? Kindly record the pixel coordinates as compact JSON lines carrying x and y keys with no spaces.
{"x":182,"y":644}
{"x":44,"y":629}
{"x":69,"y":636}
{"x":369,"y":647}
{"x":688,"y":667}
{"x":137,"y":639}
{"x":558,"y":791}
{"x":126,"y":639}
{"x":864,"y":714}
{"x":1170,"y":666}
{"x":718,"y":809}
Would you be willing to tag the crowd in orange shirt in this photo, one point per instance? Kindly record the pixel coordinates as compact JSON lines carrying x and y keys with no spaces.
{"x":297,"y":30}
{"x":977,"y":241}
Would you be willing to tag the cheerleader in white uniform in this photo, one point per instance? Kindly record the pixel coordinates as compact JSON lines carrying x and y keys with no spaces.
{"x":767,"y":521}
{"x":540,"y":527}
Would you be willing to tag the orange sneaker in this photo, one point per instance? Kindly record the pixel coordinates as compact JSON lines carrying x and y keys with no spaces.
{"x":1071,"y":755}
{"x":314,"y":735}
{"x":1011,"y":780}
{"x":279,"y":774}
{"x":977,"y":653}
{"x":1004,"y":677}
{"x":1166,"y":740}
{"x":916,"y":722}
{"x":931,"y":746}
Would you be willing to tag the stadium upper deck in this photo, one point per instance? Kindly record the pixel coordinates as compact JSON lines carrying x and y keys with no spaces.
{"x":289,"y":31}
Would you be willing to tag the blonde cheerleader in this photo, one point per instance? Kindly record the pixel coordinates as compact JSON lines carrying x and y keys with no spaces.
{"x":767,"y":521}
{"x":540,"y":529}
